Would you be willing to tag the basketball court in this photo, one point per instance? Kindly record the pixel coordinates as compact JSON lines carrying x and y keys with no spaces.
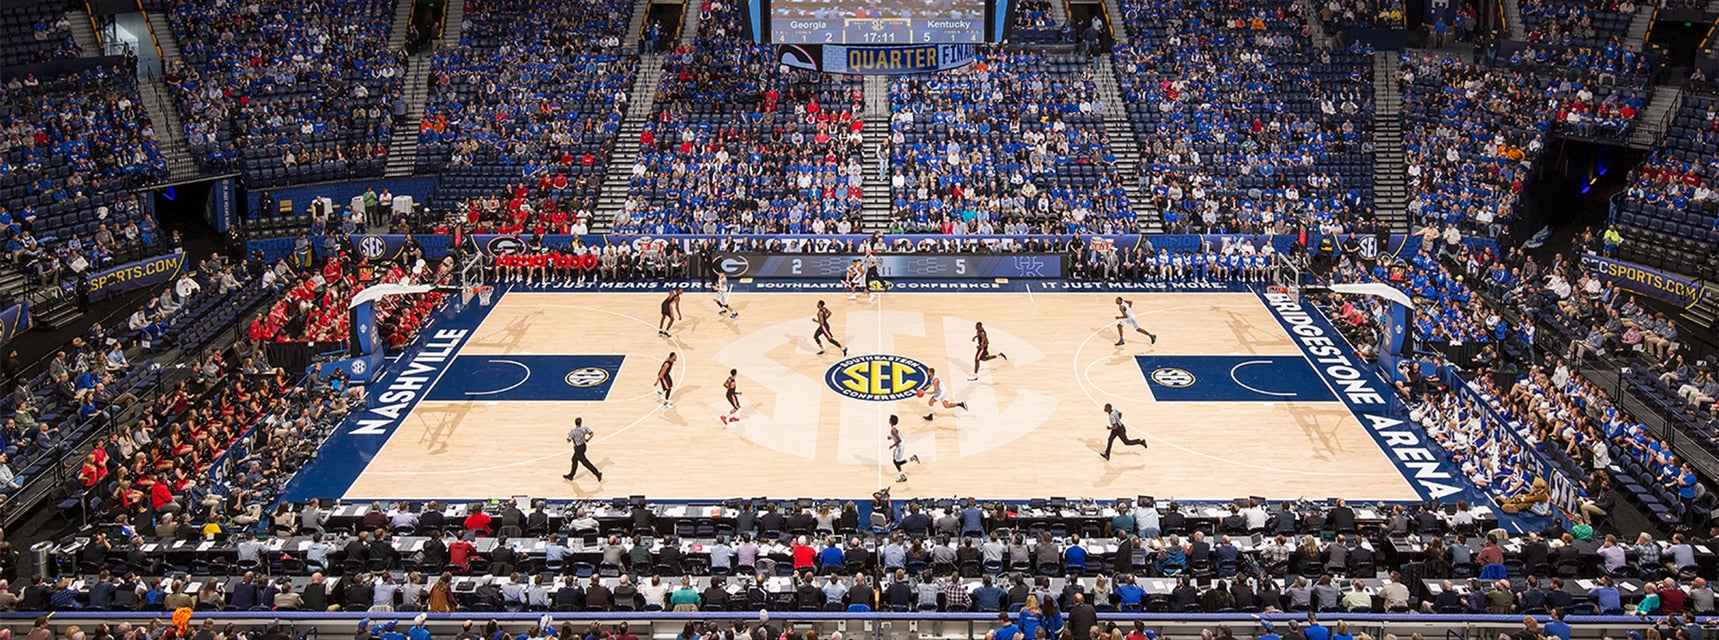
{"x":1229,"y":402}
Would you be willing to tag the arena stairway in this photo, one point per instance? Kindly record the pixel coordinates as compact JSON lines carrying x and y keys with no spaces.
{"x":402,"y":24}
{"x":1650,"y":124}
{"x":1315,"y":26}
{"x":83,"y":32}
{"x":1705,"y":312}
{"x":1118,"y":26}
{"x":403,"y":147}
{"x":1126,"y":145}
{"x":636,"y":26}
{"x":158,"y":101}
{"x":1059,"y":11}
{"x":1639,"y":25}
{"x":626,"y":151}
{"x":1390,"y":183}
{"x":878,"y":206}
{"x":164,"y":39}
{"x":1513,"y":19}
{"x":689,"y":23}
{"x":169,"y":131}
{"x":452,"y":22}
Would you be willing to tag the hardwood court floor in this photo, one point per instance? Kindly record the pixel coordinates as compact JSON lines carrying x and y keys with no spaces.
{"x":1035,"y":428}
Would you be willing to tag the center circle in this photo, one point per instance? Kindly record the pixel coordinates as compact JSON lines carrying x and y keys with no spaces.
{"x":878,"y":377}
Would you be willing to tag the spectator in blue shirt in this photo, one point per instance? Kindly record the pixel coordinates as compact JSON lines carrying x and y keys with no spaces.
{"x":987,"y":596}
{"x":1129,"y":594}
{"x":1606,"y":597}
{"x":830,"y":558}
{"x":1008,"y":630}
{"x":1314,"y":630}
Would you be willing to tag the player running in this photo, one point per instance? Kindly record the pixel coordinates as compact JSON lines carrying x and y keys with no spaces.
{"x":939,"y":392}
{"x":671,"y":310}
{"x":896,"y":451}
{"x":1126,"y":307}
{"x":730,"y":391}
{"x":984,"y":351}
{"x":822,"y":319}
{"x":855,"y":279}
{"x":722,"y":289}
{"x":665,"y":380}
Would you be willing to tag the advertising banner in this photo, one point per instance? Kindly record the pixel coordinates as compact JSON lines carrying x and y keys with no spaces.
{"x":359,"y":370}
{"x":1653,"y":283}
{"x":127,"y":277}
{"x":13,"y":321}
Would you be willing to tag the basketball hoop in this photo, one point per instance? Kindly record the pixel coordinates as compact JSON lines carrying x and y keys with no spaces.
{"x":483,"y":292}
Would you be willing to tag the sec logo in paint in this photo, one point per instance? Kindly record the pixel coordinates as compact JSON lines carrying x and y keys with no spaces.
{"x":1173,"y":377}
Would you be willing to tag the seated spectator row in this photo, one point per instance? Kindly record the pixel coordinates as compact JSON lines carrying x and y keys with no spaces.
{"x":1243,"y":125}
{"x":1598,"y":90}
{"x":287,"y":92}
{"x":1671,"y":198}
{"x":502,"y":114}
{"x":75,"y":145}
{"x":1016,"y":134}
{"x":35,"y":31}
{"x":735,"y":144}
{"x":1584,"y":22}
{"x":1361,"y":14}
{"x":1470,"y":135}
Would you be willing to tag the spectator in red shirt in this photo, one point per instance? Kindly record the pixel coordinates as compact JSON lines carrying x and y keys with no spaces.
{"x":461,"y":551}
{"x":161,"y":498}
{"x":478,"y":521}
{"x":803,"y":555}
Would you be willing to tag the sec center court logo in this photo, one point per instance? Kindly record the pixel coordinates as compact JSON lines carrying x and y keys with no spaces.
{"x":1173,"y":377}
{"x":877,"y":377}
{"x":587,"y":376}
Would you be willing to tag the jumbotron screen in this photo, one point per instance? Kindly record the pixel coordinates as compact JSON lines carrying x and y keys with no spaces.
{"x":877,"y":22}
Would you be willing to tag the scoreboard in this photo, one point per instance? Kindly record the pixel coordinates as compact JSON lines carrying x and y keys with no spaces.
{"x":879,"y":22}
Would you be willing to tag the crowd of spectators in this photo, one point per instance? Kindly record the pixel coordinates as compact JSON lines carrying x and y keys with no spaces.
{"x":1674,"y":191}
{"x":522,"y":115}
{"x":1361,"y":14}
{"x":1015,"y":139}
{"x":287,"y":92}
{"x":1597,"y":91}
{"x":35,"y":31}
{"x":1570,"y":421}
{"x":1036,"y":23}
{"x":1244,"y":126}
{"x":315,"y":309}
{"x":737,"y":144}
{"x":1577,"y":22}
{"x":1470,"y":135}
{"x":71,"y":149}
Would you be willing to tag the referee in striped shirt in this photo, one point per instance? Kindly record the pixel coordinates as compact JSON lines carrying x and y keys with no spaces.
{"x":580,"y":436}
{"x":1118,"y":431}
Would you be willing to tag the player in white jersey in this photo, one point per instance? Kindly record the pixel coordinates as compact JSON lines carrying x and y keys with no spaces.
{"x":855,"y":279}
{"x":897,"y":453}
{"x":1126,"y":309}
{"x":722,"y":289}
{"x":939,"y":393}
